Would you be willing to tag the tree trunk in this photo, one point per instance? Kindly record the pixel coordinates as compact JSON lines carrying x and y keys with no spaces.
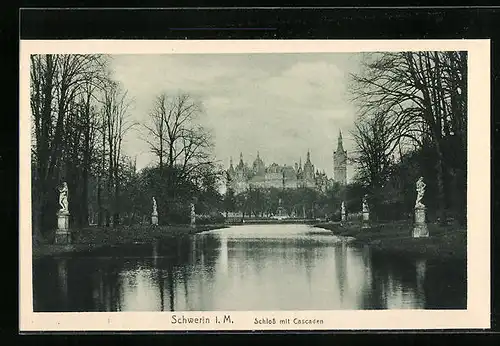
{"x":116,"y":209}
{"x":101,"y":212}
{"x":100,"y":216}
{"x":441,"y":196}
{"x":85,"y":174}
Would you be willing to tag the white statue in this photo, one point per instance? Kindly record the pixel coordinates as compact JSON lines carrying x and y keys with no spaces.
{"x":63,"y":198}
{"x":420,"y":192}
{"x":154,"y":206}
{"x":192,"y":210}
{"x":365,"y":204}
{"x":342,"y":208}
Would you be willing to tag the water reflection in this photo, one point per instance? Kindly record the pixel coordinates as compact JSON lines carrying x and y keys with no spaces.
{"x":291,"y":267}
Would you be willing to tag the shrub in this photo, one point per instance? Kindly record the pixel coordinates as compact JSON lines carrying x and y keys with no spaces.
{"x":214,"y":218}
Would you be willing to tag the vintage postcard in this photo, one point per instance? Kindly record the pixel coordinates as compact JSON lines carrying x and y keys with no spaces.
{"x":254,"y":185}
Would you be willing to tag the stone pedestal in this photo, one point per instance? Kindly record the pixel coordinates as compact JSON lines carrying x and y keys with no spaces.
{"x":280,"y":214}
{"x":420,"y":228}
{"x":154,"y":219}
{"x":63,"y":234}
{"x":366,"y":220}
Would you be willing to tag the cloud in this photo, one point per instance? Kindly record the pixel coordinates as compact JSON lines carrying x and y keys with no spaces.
{"x":279,"y":104}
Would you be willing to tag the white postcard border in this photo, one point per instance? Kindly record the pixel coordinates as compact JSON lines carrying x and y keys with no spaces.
{"x":477,"y":314}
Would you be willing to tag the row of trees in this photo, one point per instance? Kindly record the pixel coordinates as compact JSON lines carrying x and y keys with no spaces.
{"x":186,"y":170}
{"x":301,"y":202}
{"x":412,"y":122}
{"x":136,"y":204}
{"x":80,"y":117}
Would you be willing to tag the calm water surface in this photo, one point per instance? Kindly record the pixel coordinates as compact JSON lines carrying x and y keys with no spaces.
{"x":251,"y":267}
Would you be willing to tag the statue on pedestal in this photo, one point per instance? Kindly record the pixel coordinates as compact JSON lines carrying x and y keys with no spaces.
{"x":342,"y":211}
{"x":365,"y":204}
{"x":280,"y":211}
{"x":154,"y":214}
{"x":63,"y":198}
{"x":366,"y":212}
{"x":154,"y":207}
{"x":63,"y":235}
{"x":420,"y":186}
{"x":420,"y":229}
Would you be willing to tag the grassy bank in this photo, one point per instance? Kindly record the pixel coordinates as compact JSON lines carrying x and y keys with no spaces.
{"x":395,"y":238}
{"x":87,"y":239}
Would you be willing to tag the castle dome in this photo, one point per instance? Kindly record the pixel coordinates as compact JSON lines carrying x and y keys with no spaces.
{"x":258,"y":165}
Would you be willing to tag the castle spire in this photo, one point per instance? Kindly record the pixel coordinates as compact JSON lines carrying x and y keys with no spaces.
{"x":308,"y":156}
{"x":340,"y":162}
{"x":241,"y":157}
{"x":230,"y":161}
{"x":340,"y":147}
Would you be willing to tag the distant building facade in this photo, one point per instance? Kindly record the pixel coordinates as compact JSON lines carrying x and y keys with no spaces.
{"x":243,"y":176}
{"x":340,"y":162}
{"x":258,"y":175}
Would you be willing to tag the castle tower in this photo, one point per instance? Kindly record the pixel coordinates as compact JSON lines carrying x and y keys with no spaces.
{"x":258,"y":166}
{"x":308,"y":177}
{"x":230,"y":171}
{"x":340,"y":162}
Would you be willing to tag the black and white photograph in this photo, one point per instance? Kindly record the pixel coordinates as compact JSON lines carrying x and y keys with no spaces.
{"x":207,"y":184}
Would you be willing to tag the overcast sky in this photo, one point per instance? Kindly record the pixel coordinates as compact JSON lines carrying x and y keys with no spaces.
{"x":278,"y":104}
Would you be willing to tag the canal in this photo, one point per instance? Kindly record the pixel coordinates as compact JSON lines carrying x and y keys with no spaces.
{"x":248,"y":267}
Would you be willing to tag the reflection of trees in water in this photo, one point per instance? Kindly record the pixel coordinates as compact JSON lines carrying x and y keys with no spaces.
{"x":420,"y":271}
{"x":176,"y":262}
{"x":107,"y":278}
{"x":340,"y":257}
{"x":208,"y":246}
{"x":374,"y":292}
{"x":301,"y":250}
{"x":46,"y":286}
{"x":419,"y":283}
{"x":76,"y":284}
{"x":92,"y":282}
{"x":391,"y":277}
{"x":41,"y":286}
{"x":182,"y":270}
{"x":445,"y":285}
{"x":62,"y":276}
{"x":157,"y":276}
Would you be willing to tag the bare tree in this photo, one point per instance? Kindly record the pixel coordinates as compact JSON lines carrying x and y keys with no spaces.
{"x":116,"y":123}
{"x":157,"y":130}
{"x":177,"y":139}
{"x":57,"y":83}
{"x":375,"y":146}
{"x":423,"y":96}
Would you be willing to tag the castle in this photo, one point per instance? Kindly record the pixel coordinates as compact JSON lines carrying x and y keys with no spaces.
{"x":258,"y":175}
